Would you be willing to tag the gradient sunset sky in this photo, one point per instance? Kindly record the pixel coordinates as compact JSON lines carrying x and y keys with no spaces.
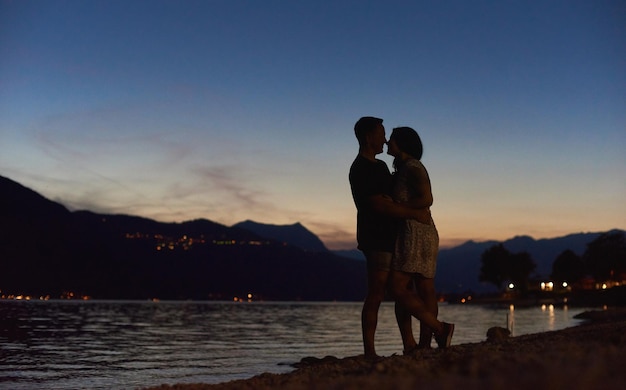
{"x":233,"y":110}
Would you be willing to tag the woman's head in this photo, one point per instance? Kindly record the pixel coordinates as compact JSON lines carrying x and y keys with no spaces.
{"x":408,"y":141}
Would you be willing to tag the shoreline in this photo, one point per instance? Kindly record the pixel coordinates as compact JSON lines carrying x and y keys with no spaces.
{"x":585,"y":356}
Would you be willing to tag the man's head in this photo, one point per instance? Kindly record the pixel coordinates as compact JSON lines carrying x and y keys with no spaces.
{"x":370,"y":133}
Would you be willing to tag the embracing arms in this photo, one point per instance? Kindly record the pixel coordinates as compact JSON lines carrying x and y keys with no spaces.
{"x":384,"y":205}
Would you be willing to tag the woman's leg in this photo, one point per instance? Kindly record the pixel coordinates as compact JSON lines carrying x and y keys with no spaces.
{"x":403,"y":317}
{"x":426,"y":291}
{"x":411,"y":301}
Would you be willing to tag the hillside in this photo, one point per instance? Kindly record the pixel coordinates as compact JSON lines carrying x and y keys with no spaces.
{"x":47,"y":250}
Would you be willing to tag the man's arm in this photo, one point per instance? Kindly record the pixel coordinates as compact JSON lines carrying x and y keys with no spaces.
{"x":384,"y":205}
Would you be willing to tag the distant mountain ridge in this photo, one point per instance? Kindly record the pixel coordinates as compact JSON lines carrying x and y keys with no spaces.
{"x":44,"y":246}
{"x":458,"y":268}
{"x":47,"y":250}
{"x":294,"y":234}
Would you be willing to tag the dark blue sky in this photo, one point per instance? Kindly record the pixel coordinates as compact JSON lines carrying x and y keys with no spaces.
{"x":234,"y":110}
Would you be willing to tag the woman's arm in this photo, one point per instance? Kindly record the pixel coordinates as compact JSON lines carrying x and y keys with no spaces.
{"x":419,"y":183}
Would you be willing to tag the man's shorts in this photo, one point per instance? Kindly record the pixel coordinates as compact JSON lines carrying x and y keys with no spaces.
{"x":378,"y":260}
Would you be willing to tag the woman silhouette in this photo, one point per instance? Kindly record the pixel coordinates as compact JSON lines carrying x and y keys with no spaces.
{"x":417,"y":245}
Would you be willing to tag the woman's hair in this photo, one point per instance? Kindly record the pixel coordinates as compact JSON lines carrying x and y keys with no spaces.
{"x":408,"y":141}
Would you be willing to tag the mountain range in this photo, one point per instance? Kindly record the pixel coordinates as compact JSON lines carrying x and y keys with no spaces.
{"x":458,"y":268}
{"x":45,"y":249}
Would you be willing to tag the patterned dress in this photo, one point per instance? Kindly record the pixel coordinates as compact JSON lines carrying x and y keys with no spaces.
{"x":417,"y":244}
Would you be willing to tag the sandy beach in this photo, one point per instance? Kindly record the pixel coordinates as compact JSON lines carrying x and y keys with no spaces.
{"x":587,"y":356}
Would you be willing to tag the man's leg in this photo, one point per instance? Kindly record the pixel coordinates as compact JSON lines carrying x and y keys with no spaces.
{"x":377,"y":275}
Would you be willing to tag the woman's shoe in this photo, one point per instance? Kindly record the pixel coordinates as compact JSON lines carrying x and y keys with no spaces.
{"x":445,"y":339}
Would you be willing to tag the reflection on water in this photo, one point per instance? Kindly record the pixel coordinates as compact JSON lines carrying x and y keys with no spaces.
{"x":126,"y":345}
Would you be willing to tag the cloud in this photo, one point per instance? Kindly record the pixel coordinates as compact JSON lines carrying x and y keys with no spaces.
{"x":232,"y":182}
{"x":334,"y":236}
{"x":229,"y":191}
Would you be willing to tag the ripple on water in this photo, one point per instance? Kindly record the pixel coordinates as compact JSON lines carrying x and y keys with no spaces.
{"x":102,"y":345}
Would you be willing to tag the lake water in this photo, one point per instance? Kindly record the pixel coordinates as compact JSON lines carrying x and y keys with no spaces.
{"x":129,"y":345}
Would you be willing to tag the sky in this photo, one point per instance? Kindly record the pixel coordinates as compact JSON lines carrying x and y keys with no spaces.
{"x":230,"y":110}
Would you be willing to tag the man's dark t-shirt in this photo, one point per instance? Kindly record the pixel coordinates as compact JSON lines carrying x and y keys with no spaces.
{"x":373,"y":231}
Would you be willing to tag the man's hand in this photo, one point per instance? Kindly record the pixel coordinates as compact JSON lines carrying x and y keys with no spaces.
{"x":384,"y":205}
{"x":422,"y":215}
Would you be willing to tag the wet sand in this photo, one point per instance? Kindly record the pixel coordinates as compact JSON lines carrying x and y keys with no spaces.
{"x":587,"y":356}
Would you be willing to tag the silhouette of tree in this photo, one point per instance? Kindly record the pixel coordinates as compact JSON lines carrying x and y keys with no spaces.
{"x":605,"y":257}
{"x":500,"y":265}
{"x":567,"y":267}
{"x":520,"y":266}
{"x":494,"y":265}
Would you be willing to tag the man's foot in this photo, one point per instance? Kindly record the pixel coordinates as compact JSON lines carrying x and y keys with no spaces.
{"x":445,"y":338}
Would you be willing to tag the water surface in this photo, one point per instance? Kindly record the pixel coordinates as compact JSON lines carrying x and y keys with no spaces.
{"x":127,"y":345}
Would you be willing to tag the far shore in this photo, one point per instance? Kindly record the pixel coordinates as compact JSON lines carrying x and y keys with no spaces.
{"x":612,"y":297}
{"x":587,"y":356}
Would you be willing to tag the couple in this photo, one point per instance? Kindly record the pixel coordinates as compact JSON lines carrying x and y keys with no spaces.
{"x":396,"y":234}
